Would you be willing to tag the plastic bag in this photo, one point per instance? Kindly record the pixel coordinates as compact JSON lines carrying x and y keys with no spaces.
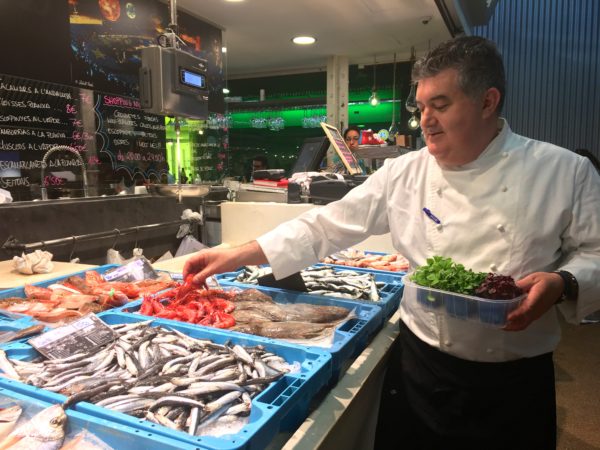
{"x":137,"y":253}
{"x":37,"y":262}
{"x":114,"y":257}
{"x":188,"y":214}
{"x":189,"y":244}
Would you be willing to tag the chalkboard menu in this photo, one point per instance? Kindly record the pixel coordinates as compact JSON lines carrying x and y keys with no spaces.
{"x":109,"y":136}
{"x":132,"y":140}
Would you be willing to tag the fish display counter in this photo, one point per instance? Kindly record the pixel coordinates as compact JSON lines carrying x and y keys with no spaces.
{"x":343,"y":415}
{"x":352,"y":397}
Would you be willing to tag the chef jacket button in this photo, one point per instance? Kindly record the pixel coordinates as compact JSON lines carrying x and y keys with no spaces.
{"x":500,"y":228}
{"x":505,"y":155}
{"x":439,"y":227}
{"x":448,"y":343}
{"x":493,"y":267}
{"x":504,"y":188}
{"x":489,"y":350}
{"x":439,"y":191}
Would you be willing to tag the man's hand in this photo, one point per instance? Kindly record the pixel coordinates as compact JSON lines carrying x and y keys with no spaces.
{"x":214,"y":261}
{"x":543,"y":290}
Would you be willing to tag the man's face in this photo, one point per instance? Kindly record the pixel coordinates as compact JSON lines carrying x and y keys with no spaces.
{"x":257,"y":165}
{"x":450,"y":120}
{"x":351,"y":139}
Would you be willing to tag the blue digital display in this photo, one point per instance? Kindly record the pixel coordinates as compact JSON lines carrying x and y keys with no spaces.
{"x":193,"y":79}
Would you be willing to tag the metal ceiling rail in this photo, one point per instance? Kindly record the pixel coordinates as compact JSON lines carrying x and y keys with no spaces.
{"x":14,"y":245}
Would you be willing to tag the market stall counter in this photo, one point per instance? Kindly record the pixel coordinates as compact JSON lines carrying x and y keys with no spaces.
{"x":10,"y":278}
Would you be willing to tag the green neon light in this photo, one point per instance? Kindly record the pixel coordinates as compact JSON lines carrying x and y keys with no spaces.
{"x":357,"y":113}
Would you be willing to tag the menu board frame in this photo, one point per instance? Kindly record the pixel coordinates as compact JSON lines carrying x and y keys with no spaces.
{"x":342,"y":150}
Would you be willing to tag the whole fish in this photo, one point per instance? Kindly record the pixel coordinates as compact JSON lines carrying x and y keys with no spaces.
{"x":287,"y":330}
{"x":8,"y":336}
{"x":8,"y":419}
{"x":45,"y":431}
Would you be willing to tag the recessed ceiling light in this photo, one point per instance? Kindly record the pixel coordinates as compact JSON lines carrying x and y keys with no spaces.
{"x":225,"y":90}
{"x":223,"y":49}
{"x":234,"y":1}
{"x":304,"y":40}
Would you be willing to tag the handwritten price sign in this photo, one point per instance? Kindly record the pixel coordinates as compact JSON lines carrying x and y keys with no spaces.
{"x":51,"y":180}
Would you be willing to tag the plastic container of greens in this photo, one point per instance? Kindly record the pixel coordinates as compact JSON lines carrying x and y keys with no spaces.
{"x":465,"y":307}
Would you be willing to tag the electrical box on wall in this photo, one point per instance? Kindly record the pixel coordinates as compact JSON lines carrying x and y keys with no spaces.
{"x":173,"y":83}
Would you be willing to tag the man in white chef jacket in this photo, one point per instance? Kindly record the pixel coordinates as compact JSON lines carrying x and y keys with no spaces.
{"x":495,"y":202}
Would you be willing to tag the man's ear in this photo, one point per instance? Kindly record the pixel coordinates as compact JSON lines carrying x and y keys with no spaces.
{"x":491,"y":99}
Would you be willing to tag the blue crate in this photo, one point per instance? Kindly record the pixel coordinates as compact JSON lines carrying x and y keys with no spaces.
{"x":349,"y":339}
{"x":280,"y":408}
{"x":390,"y":293}
{"x":16,"y":325}
{"x":116,"y":435}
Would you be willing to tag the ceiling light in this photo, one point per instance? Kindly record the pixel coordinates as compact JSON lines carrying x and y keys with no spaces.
{"x":225,"y":90}
{"x":223,"y":49}
{"x":304,"y":40}
{"x":234,"y":1}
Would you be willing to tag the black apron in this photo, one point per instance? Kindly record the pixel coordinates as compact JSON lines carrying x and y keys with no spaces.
{"x":432,"y":400}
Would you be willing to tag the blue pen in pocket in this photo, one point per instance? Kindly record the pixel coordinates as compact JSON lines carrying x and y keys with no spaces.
{"x":431,"y":216}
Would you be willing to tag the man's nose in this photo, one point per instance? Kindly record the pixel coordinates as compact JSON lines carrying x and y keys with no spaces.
{"x":427,"y":118}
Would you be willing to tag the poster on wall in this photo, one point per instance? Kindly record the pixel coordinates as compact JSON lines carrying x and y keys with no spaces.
{"x":107,"y":35}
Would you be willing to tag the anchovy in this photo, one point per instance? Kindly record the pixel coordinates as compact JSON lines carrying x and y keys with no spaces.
{"x":7,"y":366}
{"x":161,"y":420}
{"x":131,"y":405}
{"x":175,"y":400}
{"x":224,"y":400}
{"x":208,"y":387}
{"x":193,"y":420}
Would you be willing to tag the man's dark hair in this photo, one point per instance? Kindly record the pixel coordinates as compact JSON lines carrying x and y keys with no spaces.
{"x":351,"y":128}
{"x":476,"y":59}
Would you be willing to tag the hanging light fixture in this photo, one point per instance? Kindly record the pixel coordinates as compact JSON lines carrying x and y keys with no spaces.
{"x":393,"y":130}
{"x":411,"y":100}
{"x":374,"y":99}
{"x":225,"y":60}
{"x":413,"y":122}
